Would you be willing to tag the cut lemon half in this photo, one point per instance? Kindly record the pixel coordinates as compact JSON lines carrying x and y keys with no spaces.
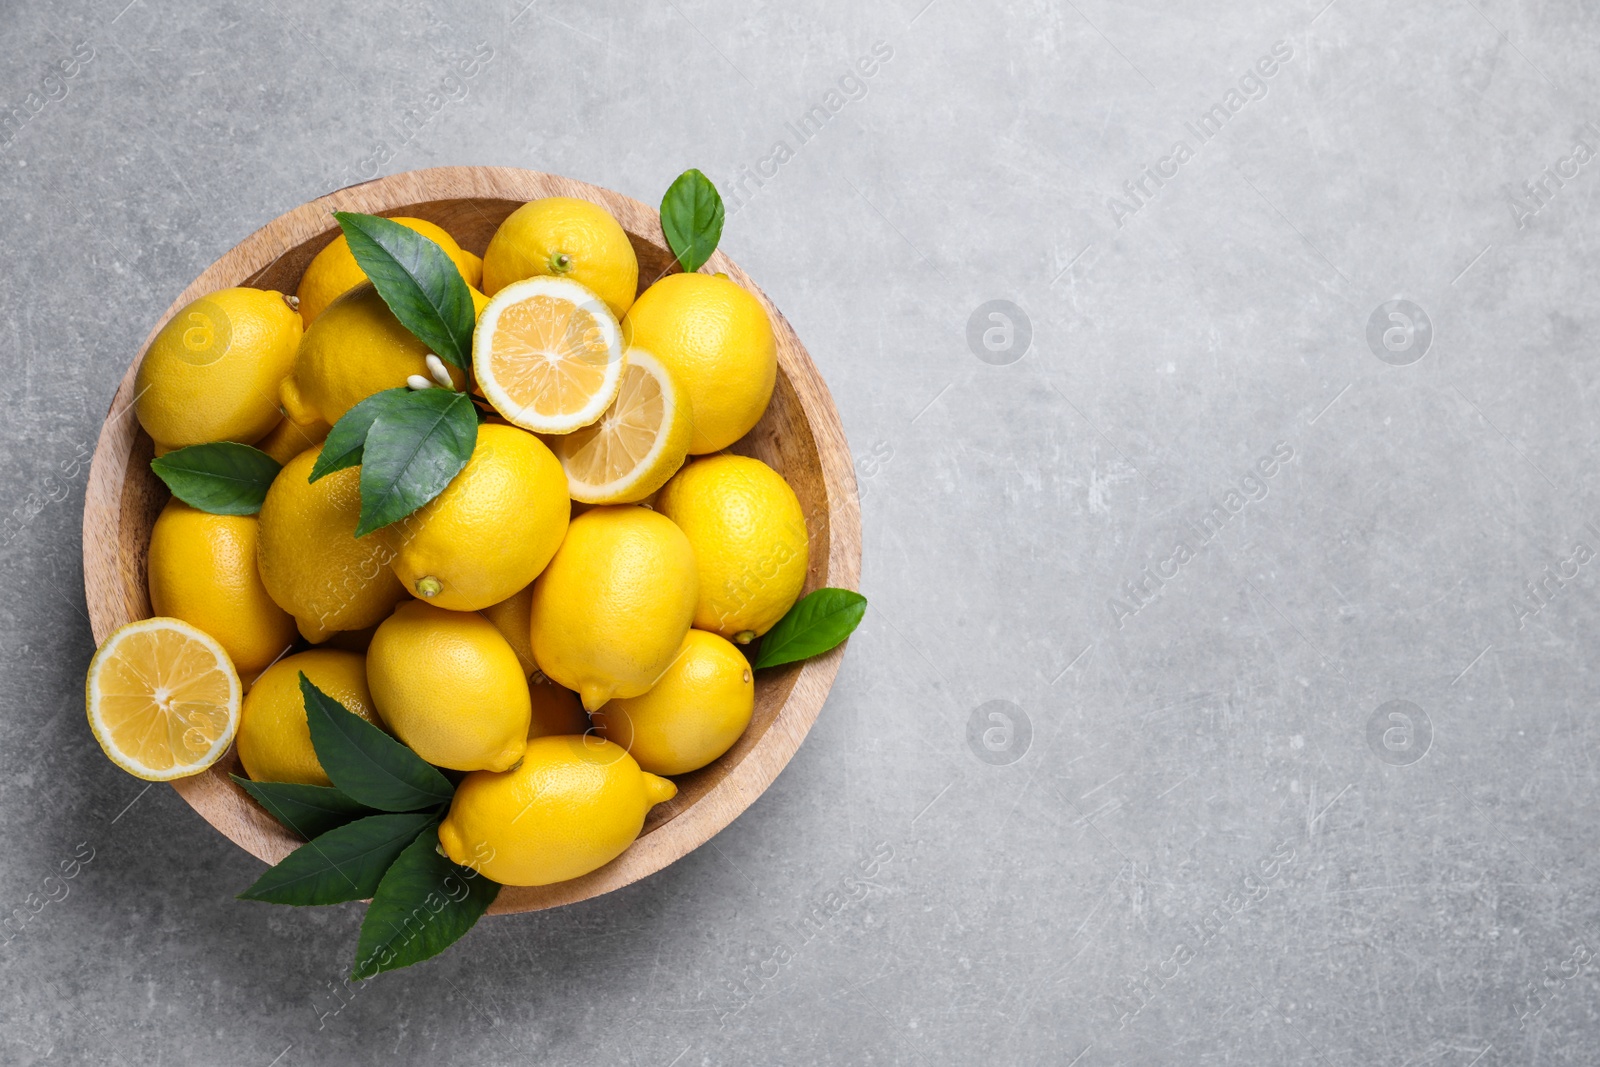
{"x":637,"y":445}
{"x":163,"y":699}
{"x":548,"y":355}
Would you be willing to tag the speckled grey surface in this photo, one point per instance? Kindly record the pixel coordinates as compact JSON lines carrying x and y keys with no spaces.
{"x":1197,"y":537}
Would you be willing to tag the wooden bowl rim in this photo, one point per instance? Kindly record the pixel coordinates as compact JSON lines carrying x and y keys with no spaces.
{"x":227,"y":807}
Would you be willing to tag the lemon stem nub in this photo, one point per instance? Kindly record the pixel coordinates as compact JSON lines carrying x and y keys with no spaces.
{"x":744,"y":637}
{"x":560,"y":263}
{"x":428,"y":587}
{"x":292,"y":300}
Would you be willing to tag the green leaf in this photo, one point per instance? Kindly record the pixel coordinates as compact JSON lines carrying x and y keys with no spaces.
{"x":346,"y":863}
{"x":413,"y":449}
{"x":224,"y":477}
{"x":691,"y":217}
{"x":422,"y":906}
{"x":418,"y":280}
{"x":817,"y":623}
{"x":367,"y":764}
{"x":343,"y":447}
{"x":307,"y":810}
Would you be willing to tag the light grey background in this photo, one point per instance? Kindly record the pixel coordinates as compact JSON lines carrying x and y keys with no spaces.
{"x":1085,"y":902}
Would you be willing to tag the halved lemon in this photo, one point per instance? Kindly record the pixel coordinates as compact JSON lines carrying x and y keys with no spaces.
{"x":548,"y":355}
{"x":637,"y":445}
{"x":163,"y":699}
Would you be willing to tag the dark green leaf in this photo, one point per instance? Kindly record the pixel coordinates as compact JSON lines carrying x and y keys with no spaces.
{"x":422,"y":906}
{"x":413,"y":449}
{"x":691,"y":217}
{"x":307,"y":810}
{"x":343,"y":447}
{"x":817,"y":623}
{"x":367,"y":764}
{"x":346,"y":863}
{"x":224,"y":477}
{"x":418,"y":280}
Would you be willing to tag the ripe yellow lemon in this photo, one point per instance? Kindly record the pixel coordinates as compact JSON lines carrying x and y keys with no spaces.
{"x":162,"y":698}
{"x":561,"y":237}
{"x":611,"y":610}
{"x":354,"y":349}
{"x":574,"y":805}
{"x":334,"y":271}
{"x":692,"y":715}
{"x":749,"y":538}
{"x":717,"y":340}
{"x":450,"y":687}
{"x":274,"y":737}
{"x":556,"y":710}
{"x":548,"y":355}
{"x":288,"y":439}
{"x":202,"y":569}
{"x":312,"y":563}
{"x":639,"y":442}
{"x":213,"y":372}
{"x":493,"y":528}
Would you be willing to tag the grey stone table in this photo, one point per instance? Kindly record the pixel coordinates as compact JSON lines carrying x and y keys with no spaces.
{"x":1222,"y":386}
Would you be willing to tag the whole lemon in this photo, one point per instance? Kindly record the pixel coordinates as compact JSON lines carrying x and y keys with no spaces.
{"x":611,"y":610}
{"x":556,"y":710}
{"x":511,"y":617}
{"x":202,"y":569}
{"x":274,"y":741}
{"x":717,"y":340}
{"x":354,"y":349}
{"x":450,"y":687}
{"x":692,"y":715}
{"x":312,"y":563}
{"x":493,"y":528}
{"x":574,"y":805}
{"x":749,"y":538}
{"x":288,"y":439}
{"x":564,"y":238}
{"x":212,"y":373}
{"x":334,"y":270}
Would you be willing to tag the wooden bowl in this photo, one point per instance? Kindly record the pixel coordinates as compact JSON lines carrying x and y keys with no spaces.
{"x":799,"y":436}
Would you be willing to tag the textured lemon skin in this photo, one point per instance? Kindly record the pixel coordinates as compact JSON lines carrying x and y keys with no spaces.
{"x":574,"y":805}
{"x":288,"y":439}
{"x":450,"y":687}
{"x":749,"y":538}
{"x":274,"y":740}
{"x":717,"y":340}
{"x":354,"y":349}
{"x":202,"y":569}
{"x":310,"y":560}
{"x":692,"y":715}
{"x":492,"y":530}
{"x":533,"y":238}
{"x":611,"y":609}
{"x":334,"y":271}
{"x":213,"y":372}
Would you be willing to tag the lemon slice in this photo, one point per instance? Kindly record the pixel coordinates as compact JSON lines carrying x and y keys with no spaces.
{"x":548,"y":355}
{"x":637,"y":445}
{"x":163,"y":699}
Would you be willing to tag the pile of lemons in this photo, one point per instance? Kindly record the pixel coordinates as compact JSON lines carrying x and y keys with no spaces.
{"x":563,"y":623}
